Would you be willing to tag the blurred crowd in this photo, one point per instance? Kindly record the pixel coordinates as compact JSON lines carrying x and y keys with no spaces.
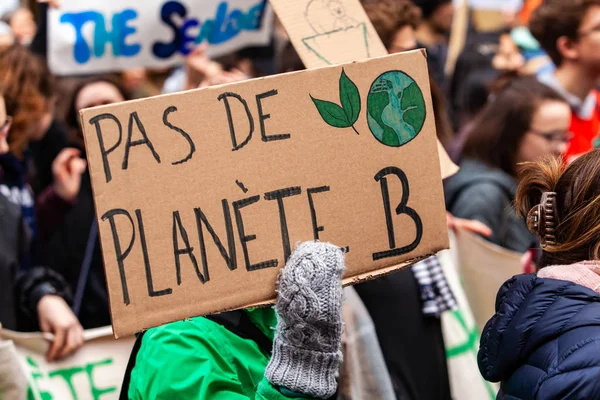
{"x":521,"y":86}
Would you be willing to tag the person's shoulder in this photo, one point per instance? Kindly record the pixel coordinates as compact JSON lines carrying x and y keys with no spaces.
{"x":488,"y":188}
{"x":198,"y":329}
{"x":476,"y":173}
{"x":576,"y":362}
{"x":174,"y":359}
{"x":551,"y":320}
{"x":199,"y":333}
{"x":564,"y":367}
{"x":206,"y":338}
{"x":484,"y":193}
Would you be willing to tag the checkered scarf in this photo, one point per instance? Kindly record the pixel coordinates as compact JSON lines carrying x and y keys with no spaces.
{"x":436,"y":294}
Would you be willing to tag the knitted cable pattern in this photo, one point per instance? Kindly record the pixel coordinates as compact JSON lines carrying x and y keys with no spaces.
{"x":306,"y":348}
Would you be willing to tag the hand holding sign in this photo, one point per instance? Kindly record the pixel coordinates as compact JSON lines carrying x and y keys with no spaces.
{"x":57,"y":318}
{"x":307,"y":344}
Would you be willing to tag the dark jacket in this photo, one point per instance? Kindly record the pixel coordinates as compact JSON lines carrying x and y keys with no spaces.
{"x":41,"y":214}
{"x":65,"y":253}
{"x":544,"y":341}
{"x":436,"y":62}
{"x":13,"y":246}
{"x":411,"y":343}
{"x":43,"y":153}
{"x":20,"y":291}
{"x":15,"y":187}
{"x":39,"y":44}
{"x":486,"y":194}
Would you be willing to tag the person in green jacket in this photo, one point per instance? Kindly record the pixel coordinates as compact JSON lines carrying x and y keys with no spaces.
{"x":202,"y":359}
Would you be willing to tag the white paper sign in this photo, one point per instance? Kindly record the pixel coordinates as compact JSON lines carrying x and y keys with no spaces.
{"x":91,"y":36}
{"x":501,"y":5}
{"x":95,"y":371}
{"x":483,"y":268}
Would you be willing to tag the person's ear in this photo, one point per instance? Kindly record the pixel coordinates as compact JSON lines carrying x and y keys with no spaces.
{"x":567,"y":48}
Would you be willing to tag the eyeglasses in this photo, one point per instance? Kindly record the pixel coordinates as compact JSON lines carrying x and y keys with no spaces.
{"x":554,"y":137}
{"x":6,"y":124}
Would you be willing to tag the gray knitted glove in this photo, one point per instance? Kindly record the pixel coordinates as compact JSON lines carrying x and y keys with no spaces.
{"x":306,"y":349}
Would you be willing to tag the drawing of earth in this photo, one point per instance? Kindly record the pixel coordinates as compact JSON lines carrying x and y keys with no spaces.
{"x":395,"y":108}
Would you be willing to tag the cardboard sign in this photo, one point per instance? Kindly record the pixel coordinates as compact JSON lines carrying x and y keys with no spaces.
{"x":484,"y":267}
{"x":95,"y":371}
{"x":326,"y":32}
{"x":202,"y":195}
{"x":91,"y":36}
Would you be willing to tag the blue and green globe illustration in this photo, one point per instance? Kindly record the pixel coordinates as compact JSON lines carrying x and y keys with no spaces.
{"x":395,"y":108}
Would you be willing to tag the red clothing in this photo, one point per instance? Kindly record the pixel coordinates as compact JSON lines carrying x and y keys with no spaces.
{"x":586,"y":132}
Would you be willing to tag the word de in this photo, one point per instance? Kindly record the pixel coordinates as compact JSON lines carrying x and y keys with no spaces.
{"x":135,"y":125}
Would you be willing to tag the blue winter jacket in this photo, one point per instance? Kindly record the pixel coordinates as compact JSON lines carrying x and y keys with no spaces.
{"x":544,"y":341}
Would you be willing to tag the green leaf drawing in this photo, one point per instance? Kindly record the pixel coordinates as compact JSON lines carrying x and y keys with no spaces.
{"x":413,"y":106}
{"x":346,"y":115}
{"x":331,"y":113}
{"x":350,"y":98}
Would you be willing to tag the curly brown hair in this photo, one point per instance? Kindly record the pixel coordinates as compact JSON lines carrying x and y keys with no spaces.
{"x":556,"y":18}
{"x":388,"y":16}
{"x":27,"y":86}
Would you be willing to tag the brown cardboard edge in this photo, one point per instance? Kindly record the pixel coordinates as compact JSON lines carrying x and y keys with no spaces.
{"x":447,"y":167}
{"x":100,"y":238}
{"x":348,"y":281}
{"x":224,"y":85}
{"x":366,"y":276}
